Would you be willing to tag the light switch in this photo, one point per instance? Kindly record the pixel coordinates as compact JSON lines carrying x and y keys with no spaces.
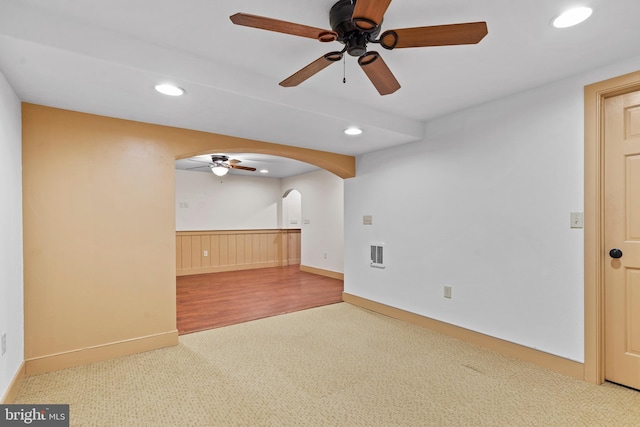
{"x":447,"y":291}
{"x":577,"y":220}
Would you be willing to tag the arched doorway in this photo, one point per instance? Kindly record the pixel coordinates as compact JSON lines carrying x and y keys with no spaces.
{"x":291,"y":209}
{"x":292,"y":220}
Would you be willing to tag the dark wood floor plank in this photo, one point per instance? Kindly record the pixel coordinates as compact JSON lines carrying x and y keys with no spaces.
{"x":207,"y":301}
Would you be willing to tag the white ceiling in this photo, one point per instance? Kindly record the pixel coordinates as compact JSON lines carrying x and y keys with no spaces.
{"x":104,"y":57}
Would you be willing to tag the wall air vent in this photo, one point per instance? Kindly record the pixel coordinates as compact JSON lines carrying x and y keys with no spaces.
{"x":377,"y":255}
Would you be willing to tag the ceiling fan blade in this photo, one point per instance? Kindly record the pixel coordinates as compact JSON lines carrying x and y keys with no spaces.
{"x":378,"y":72}
{"x":311,"y":69}
{"x":437,"y":35}
{"x":199,"y":161}
{"x":285,"y":27}
{"x":244,"y":168}
{"x":234,"y":161}
{"x":198,"y":167}
{"x":368,"y":14}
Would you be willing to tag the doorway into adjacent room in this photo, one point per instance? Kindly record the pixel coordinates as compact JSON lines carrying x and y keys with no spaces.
{"x":221,"y":280}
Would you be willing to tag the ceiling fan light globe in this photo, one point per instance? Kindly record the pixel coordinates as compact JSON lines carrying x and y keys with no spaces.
{"x":219,"y":170}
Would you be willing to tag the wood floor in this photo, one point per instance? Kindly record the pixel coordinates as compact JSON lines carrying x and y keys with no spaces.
{"x":207,"y":301}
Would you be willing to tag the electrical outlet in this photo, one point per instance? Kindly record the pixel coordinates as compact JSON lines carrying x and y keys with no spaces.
{"x":4,"y":343}
{"x":206,"y":253}
{"x":447,"y":291}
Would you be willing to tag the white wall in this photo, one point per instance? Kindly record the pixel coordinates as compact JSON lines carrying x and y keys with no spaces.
{"x":322,"y":218}
{"x":233,"y":202}
{"x":482,"y":204}
{"x":11,"y":284}
{"x":203,"y":202}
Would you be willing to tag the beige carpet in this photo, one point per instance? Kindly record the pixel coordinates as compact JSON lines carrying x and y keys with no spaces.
{"x":337,"y":365}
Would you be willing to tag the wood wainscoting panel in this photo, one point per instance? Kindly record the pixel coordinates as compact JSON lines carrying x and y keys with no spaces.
{"x":214,"y":251}
{"x":248,"y":249}
{"x":255,"y":246}
{"x":196,"y":251}
{"x":293,"y":248}
{"x":223,"y":250}
{"x":230,"y":250}
{"x":185,"y":244}
{"x":272,"y":246}
{"x":178,"y":253}
{"x":205,"y":261}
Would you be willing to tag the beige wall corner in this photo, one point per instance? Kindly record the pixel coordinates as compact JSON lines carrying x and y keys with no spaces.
{"x":99,"y":240}
{"x":546,"y":360}
{"x":99,"y":229}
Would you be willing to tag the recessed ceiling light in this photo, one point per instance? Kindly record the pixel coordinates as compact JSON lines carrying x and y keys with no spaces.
{"x":572,"y":17}
{"x":171,"y":90}
{"x":353,"y":131}
{"x":264,"y":171}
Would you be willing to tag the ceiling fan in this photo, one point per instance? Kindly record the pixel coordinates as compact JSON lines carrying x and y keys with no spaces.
{"x":221,"y":165}
{"x":355,"y":23}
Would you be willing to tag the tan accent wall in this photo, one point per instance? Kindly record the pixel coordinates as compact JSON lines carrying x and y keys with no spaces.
{"x":235,"y":250}
{"x":99,"y":230}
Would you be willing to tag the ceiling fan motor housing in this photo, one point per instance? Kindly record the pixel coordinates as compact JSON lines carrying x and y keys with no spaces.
{"x":219,"y":158}
{"x":340,"y":17}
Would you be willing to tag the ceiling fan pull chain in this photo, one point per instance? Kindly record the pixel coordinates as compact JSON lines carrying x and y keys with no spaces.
{"x":344,"y":70}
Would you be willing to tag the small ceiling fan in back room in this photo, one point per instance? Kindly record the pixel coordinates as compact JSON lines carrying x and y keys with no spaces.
{"x":221,"y":164}
{"x":355,"y":24}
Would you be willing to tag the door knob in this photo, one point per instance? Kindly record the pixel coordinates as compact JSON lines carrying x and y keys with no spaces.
{"x":615,"y":253}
